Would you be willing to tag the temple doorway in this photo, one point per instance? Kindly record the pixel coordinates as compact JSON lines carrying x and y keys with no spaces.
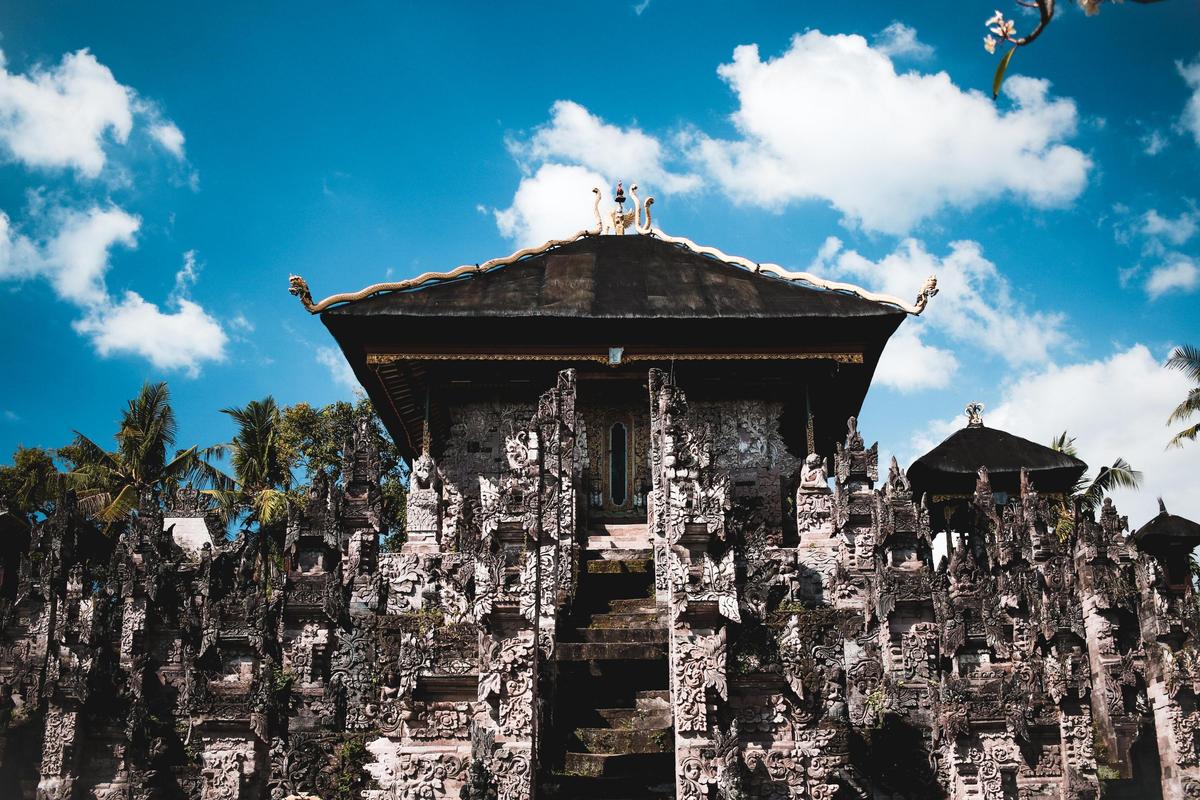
{"x":618,"y":472}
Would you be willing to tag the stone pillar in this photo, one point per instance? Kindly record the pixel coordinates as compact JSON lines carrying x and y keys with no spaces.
{"x":818,"y":545}
{"x":1170,"y":677}
{"x":58,"y":754}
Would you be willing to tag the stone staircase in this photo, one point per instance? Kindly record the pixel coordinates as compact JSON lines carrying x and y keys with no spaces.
{"x":612,"y":714}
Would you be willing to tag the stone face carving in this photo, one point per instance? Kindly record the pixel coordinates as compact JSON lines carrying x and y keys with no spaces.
{"x":815,"y":474}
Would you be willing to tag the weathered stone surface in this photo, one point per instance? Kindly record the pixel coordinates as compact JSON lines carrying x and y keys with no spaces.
{"x":775,"y":628}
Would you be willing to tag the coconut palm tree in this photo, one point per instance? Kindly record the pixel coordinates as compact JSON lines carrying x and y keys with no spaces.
{"x":1087,"y":494}
{"x":1186,"y":359}
{"x":110,"y":483}
{"x":257,"y":493}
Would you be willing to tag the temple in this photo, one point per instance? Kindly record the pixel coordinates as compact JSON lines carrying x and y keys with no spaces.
{"x":648,"y":554}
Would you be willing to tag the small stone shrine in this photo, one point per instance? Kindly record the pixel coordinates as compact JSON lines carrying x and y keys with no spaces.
{"x":648,"y":554}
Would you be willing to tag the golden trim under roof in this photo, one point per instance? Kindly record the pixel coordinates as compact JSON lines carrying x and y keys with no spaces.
{"x":375,"y":359}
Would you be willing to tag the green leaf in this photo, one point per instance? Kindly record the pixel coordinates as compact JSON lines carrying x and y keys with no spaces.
{"x":1000,"y":70}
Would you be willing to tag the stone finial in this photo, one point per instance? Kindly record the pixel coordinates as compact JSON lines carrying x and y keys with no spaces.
{"x":854,"y":439}
{"x":974,"y":412}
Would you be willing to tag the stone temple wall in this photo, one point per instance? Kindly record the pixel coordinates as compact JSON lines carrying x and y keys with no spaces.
{"x":814,"y":650}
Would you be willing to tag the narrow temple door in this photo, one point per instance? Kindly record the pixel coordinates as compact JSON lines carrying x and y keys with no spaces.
{"x":617,"y":452}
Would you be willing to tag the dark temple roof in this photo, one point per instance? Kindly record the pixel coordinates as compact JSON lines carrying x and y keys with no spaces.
{"x":619,"y":277}
{"x":1167,"y":534}
{"x":574,"y":304}
{"x":952,"y":467}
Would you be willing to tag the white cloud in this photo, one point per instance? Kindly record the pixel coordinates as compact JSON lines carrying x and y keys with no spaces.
{"x":553,"y":203}
{"x":75,"y":258}
{"x":1175,"y":230}
{"x":1178,"y":273}
{"x":975,"y":303}
{"x":59,"y":117}
{"x":188,"y":273}
{"x":182,"y":339}
{"x":831,"y":119}
{"x":1154,"y":143}
{"x":900,"y":41}
{"x":576,"y":136}
{"x":908,"y":364}
{"x":1115,"y":407}
{"x":169,"y":136}
{"x":240,"y":323}
{"x":339,"y":369}
{"x":1191,"y":112}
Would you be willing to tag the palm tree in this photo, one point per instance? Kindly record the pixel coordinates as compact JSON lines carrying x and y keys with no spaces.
{"x":1087,"y":494}
{"x":258,"y":490}
{"x":111,"y":483}
{"x":1186,"y":359}
{"x":1090,"y":493}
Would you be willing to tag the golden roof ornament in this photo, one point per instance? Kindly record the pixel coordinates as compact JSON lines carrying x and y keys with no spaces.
{"x":621,"y":220}
{"x":974,"y":414}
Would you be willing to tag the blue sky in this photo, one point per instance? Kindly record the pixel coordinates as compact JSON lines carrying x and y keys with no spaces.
{"x":163,"y":169}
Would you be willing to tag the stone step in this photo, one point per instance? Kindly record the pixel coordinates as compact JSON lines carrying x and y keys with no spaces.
{"x":636,"y":718}
{"x":646,"y":620}
{"x":622,"y":566}
{"x":621,"y":634}
{"x":636,"y":552}
{"x":633,"y":605}
{"x":615,"y":549}
{"x":653,"y":700}
{"x":559,"y":786}
{"x":611,"y":651}
{"x":630,"y":536}
{"x":620,"y":528}
{"x":626,"y":740}
{"x":625,"y":534}
{"x":643,"y":765}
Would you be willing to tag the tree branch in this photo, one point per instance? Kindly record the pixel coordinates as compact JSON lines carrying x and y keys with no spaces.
{"x":1046,"y":13}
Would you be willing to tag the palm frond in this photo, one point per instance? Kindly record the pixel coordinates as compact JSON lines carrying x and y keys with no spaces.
{"x":147,"y":431}
{"x":93,"y":478}
{"x":1186,"y":435}
{"x":91,"y":453}
{"x":254,"y":452}
{"x":182,"y":463}
{"x":121,"y":506}
{"x":1186,"y":359}
{"x":1188,"y":407}
{"x":92,"y":505}
{"x":270,"y":506}
{"x":231,"y":504}
{"x":1119,"y":476}
{"x":205,"y":473}
{"x":1064,"y":443}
